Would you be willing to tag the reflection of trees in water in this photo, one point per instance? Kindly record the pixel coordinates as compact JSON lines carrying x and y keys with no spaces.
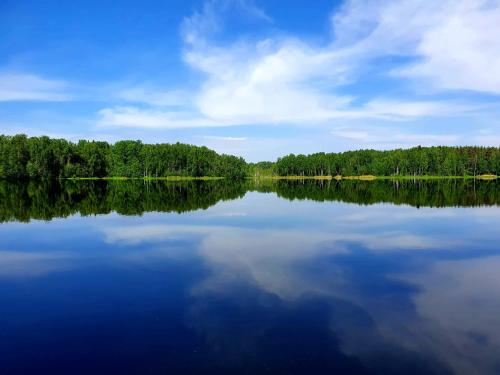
{"x":22,"y":202}
{"x":429,"y":193}
{"x":38,"y":200}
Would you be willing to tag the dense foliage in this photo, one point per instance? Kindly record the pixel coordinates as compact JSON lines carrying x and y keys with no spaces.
{"x":46,"y":158}
{"x":261,"y":169}
{"x":417,"y":161}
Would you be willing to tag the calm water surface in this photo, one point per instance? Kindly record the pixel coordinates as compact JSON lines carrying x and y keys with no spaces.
{"x":245,"y":278}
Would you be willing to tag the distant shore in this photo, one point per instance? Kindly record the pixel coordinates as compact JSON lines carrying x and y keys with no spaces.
{"x":23,"y":157}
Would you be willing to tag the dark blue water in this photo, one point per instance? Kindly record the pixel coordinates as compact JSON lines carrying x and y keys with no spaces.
{"x":255,"y":284}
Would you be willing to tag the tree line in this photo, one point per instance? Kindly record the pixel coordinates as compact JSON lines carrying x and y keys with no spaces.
{"x":46,"y":158}
{"x":23,"y":157}
{"x":416,"y":161}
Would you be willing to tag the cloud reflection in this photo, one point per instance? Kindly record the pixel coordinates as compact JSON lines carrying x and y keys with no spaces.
{"x":367,"y":270}
{"x":15,"y":264}
{"x":389,"y":286}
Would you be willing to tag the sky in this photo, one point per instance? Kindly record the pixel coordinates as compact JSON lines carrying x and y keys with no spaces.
{"x":256,"y":78}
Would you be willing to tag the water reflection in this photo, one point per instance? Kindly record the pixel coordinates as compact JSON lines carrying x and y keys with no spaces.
{"x":42,"y":200}
{"x":427,"y":193}
{"x":258,"y":284}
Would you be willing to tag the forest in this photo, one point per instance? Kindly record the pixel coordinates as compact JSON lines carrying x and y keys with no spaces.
{"x":45,"y":158}
{"x":416,"y":161}
{"x":23,"y":157}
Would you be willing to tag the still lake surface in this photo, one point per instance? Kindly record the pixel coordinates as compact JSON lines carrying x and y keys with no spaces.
{"x":287,"y":277}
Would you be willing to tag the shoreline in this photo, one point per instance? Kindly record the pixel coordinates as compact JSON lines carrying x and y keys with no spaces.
{"x":328,"y":178}
{"x":372,"y":178}
{"x":166,"y":178}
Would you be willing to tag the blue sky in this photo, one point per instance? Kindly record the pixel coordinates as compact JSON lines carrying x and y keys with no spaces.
{"x":252,"y":77}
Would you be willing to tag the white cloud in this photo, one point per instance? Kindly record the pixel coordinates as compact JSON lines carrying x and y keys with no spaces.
{"x":286,"y":80}
{"x":28,"y":87}
{"x":463,"y":51}
{"x":456,"y":42}
{"x":290,"y":81}
{"x":266,"y":83}
{"x":134,"y":117}
{"x":221,"y":107}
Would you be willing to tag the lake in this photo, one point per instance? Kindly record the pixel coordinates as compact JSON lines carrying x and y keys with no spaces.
{"x":250,"y":277}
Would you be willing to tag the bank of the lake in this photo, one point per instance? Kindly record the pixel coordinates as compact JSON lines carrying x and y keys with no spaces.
{"x":338,"y":177}
{"x":148,"y":178}
{"x":371,"y":177}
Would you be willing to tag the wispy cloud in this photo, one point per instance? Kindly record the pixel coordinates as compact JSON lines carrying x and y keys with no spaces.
{"x":134,"y":117}
{"x":393,"y":137}
{"x":203,"y":24}
{"x":145,"y":94}
{"x":240,"y":112}
{"x":487,"y":137}
{"x":397,"y":109}
{"x":223,"y":138}
{"x":29,"y":87}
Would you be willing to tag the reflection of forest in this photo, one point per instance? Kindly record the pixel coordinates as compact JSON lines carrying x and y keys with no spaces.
{"x":418,"y":193}
{"x":22,"y":202}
